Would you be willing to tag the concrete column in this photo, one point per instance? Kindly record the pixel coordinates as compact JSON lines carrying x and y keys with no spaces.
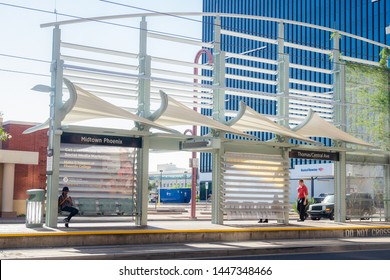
{"x":8,"y":190}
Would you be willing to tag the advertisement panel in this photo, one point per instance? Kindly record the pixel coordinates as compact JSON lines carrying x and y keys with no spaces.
{"x":312,"y":170}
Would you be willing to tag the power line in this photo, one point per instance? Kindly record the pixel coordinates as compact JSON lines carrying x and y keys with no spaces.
{"x":152,"y":11}
{"x":98,"y":21}
{"x":25,"y":58}
{"x":23,"y":72}
{"x":181,"y":17}
{"x":138,"y":28}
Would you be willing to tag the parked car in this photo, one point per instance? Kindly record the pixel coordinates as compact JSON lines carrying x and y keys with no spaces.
{"x":359,"y":205}
{"x":320,"y":197}
{"x":325,"y":209}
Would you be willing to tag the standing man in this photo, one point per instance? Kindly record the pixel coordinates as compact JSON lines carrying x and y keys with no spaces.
{"x":65,"y":203}
{"x":302,"y":200}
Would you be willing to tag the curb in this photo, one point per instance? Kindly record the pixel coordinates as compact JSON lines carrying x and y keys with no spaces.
{"x":155,"y":236}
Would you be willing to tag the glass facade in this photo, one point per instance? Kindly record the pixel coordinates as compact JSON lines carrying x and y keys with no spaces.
{"x":359,"y":17}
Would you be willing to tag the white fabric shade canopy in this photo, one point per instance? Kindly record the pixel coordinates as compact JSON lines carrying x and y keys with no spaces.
{"x":248,"y":119}
{"x":83,"y":105}
{"x":314,"y":125}
{"x":172,"y":113}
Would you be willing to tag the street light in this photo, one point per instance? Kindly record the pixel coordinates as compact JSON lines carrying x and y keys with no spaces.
{"x":159,"y":189}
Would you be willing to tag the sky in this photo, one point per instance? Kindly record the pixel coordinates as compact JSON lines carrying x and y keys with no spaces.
{"x":25,"y":47}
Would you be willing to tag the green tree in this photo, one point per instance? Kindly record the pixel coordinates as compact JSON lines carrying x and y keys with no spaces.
{"x":152,"y":186}
{"x":367,"y":96}
{"x":384,"y":54}
{"x":3,"y":135}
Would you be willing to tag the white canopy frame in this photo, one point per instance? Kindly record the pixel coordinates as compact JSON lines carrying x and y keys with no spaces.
{"x":148,"y":85}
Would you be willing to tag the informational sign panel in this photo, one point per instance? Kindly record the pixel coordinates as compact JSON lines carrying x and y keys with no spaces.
{"x":314,"y":155}
{"x":100,"y":168}
{"x":312,"y":170}
{"x":101,"y":140}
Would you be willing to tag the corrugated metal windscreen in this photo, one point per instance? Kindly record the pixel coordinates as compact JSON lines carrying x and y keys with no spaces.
{"x":102,"y":180}
{"x":255,"y":186}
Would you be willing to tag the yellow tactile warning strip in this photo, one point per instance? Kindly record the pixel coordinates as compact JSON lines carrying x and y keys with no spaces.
{"x":165,"y":231}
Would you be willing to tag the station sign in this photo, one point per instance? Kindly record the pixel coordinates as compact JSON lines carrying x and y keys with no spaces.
{"x":101,"y":140}
{"x":319,"y":155}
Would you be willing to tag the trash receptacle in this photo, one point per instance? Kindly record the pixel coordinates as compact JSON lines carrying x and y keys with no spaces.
{"x":34,"y":208}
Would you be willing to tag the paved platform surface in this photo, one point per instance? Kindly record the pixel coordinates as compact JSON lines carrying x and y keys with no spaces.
{"x":175,"y":222}
{"x":174,"y":234}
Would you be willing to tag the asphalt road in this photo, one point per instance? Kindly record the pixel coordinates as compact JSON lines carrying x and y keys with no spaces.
{"x":347,"y":255}
{"x":288,"y":249}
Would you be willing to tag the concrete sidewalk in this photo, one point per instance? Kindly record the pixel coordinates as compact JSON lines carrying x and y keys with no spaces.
{"x":176,"y":236}
{"x":96,"y":231}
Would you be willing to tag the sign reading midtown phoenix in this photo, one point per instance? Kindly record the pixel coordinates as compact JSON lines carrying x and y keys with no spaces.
{"x":105,"y":140}
{"x":314,"y":155}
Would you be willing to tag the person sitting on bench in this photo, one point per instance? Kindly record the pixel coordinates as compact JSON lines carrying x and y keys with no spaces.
{"x":65,"y":203}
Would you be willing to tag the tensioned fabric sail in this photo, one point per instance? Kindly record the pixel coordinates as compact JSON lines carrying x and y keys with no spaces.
{"x":83,"y":105}
{"x":248,"y":119}
{"x":173,"y":113}
{"x":314,"y":125}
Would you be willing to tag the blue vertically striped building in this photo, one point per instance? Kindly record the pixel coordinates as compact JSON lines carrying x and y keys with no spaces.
{"x":365,"y":18}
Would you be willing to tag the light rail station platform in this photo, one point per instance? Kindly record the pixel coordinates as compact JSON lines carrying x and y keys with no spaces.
{"x":179,"y":228}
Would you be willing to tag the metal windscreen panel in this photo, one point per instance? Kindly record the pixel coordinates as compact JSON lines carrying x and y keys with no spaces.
{"x":255,"y":186}
{"x":102,"y":179}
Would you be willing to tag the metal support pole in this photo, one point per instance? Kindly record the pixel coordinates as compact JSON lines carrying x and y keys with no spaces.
{"x":159,"y":188}
{"x":219,"y":75}
{"x":312,"y":187}
{"x":218,"y":115}
{"x":283,"y":104}
{"x":286,"y":200}
{"x":386,"y":196}
{"x":283,"y":79}
{"x":340,"y":120}
{"x":339,"y":189}
{"x":142,"y":183}
{"x":216,"y":209}
{"x":54,"y":132}
{"x":145,"y":72}
{"x":144,"y":111}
